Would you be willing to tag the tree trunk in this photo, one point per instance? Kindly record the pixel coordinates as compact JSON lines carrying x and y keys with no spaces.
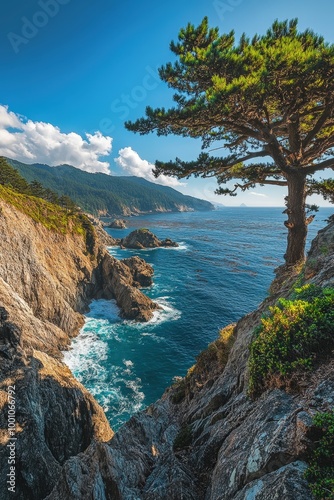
{"x":296,"y":224}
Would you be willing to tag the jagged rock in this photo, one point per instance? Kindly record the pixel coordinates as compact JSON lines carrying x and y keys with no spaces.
{"x":240,"y":449}
{"x":143,"y":238}
{"x":141,"y":271}
{"x":55,"y":277}
{"x":105,"y":238}
{"x":121,"y":283}
{"x":287,"y":482}
{"x":55,"y":416}
{"x":117,"y":224}
{"x":320,"y":262}
{"x":47,"y":280}
{"x":237,"y":448}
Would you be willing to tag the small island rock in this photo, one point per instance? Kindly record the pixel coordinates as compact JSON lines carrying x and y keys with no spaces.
{"x":143,"y":238}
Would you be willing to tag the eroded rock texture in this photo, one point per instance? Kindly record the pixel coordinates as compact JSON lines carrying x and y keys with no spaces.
{"x":47,"y":280}
{"x":204,"y":439}
{"x":236,"y":448}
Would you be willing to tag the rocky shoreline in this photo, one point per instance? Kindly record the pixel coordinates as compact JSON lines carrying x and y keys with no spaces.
{"x":47,"y":280}
{"x":204,"y":439}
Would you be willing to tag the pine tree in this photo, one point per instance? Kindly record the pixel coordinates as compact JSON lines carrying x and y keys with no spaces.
{"x":10,"y":177}
{"x":267,"y":102}
{"x":37,"y":189}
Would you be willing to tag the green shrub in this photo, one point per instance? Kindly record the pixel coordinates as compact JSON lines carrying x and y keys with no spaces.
{"x":320,"y":473}
{"x":179,"y":391}
{"x":216,"y":354}
{"x":293,"y":336}
{"x":209,"y":363}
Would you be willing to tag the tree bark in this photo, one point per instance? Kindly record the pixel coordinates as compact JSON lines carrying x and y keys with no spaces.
{"x":296,"y":224}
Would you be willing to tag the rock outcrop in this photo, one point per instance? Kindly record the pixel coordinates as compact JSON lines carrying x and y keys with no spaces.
{"x":105,"y":238}
{"x":117,"y":224}
{"x":47,"y":279}
{"x":143,"y":238}
{"x":141,"y":272}
{"x":123,"y":280}
{"x":206,"y":438}
{"x":56,"y":277}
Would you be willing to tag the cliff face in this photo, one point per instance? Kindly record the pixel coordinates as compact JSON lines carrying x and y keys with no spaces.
{"x":52,"y":277}
{"x":47,"y":279}
{"x":206,"y":439}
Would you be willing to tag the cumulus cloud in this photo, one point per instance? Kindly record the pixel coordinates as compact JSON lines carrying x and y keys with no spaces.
{"x":130,"y":161}
{"x":26,"y":140}
{"x":258,"y":194}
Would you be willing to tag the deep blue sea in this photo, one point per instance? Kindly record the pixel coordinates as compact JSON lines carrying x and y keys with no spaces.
{"x":221,"y":270}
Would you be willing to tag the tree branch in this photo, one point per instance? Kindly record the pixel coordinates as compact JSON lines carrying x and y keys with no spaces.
{"x":318,"y":126}
{"x":319,"y":166}
{"x":274,"y":183}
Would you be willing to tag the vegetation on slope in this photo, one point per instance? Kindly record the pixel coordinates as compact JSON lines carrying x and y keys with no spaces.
{"x":101,"y":193}
{"x":210,"y":361}
{"x":61,"y":215}
{"x":295,"y":335}
{"x":11,"y":178}
{"x":320,"y":473}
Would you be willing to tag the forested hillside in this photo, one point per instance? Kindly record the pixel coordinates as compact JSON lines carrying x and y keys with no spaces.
{"x":101,"y":194}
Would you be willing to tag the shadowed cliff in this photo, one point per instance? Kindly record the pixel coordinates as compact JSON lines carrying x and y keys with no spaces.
{"x":50,"y":269}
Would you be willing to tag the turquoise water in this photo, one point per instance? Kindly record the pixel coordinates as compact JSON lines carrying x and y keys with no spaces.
{"x":222,"y":270}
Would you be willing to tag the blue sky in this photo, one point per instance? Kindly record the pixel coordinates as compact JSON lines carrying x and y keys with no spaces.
{"x":84,"y":67}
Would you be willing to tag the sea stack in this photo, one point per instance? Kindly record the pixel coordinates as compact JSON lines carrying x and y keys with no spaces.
{"x":143,"y":238}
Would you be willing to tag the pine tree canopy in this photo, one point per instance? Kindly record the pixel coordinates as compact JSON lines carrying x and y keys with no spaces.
{"x":271,"y":96}
{"x":265,"y":103}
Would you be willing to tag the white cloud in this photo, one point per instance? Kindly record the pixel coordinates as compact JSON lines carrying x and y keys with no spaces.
{"x":131,"y":163}
{"x":258,"y":194}
{"x":26,"y":140}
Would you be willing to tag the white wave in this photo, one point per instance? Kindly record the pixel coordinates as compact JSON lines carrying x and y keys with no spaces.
{"x":166,"y":313}
{"x":117,"y":252}
{"x":83,"y":353}
{"x":113,"y":250}
{"x":182,"y":246}
{"x":128,"y":362}
{"x":106,"y":309}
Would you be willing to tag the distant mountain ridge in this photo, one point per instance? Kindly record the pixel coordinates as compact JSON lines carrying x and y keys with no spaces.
{"x":105,"y":194}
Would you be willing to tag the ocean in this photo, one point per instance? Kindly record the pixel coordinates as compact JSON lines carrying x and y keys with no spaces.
{"x":221,"y":270}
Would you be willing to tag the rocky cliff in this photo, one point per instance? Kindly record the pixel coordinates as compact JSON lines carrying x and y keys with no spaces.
{"x":206,"y":438}
{"x":47,"y":279}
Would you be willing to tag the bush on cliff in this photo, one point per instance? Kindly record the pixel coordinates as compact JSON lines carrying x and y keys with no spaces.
{"x":320,"y":473}
{"x":294,"y":336}
{"x":209,"y":362}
